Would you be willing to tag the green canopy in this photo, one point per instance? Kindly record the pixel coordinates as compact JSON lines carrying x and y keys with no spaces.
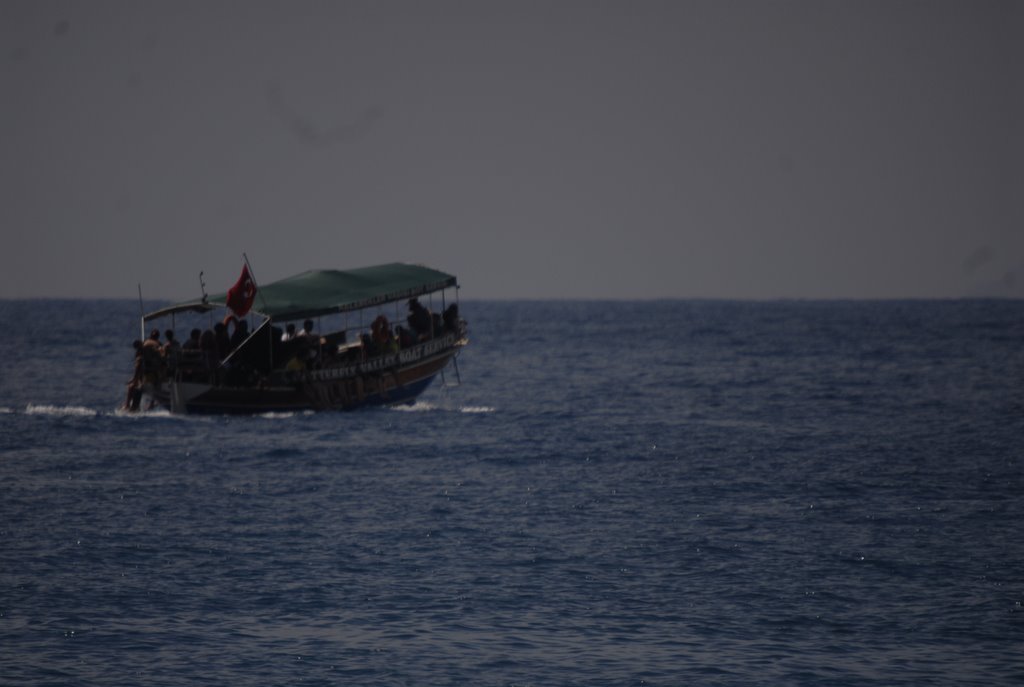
{"x":322,"y":292}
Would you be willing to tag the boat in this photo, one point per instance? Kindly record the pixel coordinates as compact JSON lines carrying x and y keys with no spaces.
{"x":363,"y":361}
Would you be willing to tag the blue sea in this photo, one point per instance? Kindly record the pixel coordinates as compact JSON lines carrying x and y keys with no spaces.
{"x":617,"y":493}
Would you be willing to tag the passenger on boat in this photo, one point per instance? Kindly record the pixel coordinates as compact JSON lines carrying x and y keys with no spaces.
{"x":419,"y":319}
{"x":451,"y":318}
{"x":381,"y":334}
{"x":170,"y":353}
{"x":148,"y":366}
{"x":193,"y":341}
{"x":190,"y":363}
{"x":208,"y":345}
{"x":133,"y":395}
{"x":152,"y":355}
{"x":289,"y":332}
{"x":172,"y":346}
{"x":153,"y":340}
{"x":311,"y":340}
{"x":222,"y":340}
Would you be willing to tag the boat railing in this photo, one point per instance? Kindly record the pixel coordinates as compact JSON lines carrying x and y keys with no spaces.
{"x":190,"y":365}
{"x":335,"y":358}
{"x":386,"y":360}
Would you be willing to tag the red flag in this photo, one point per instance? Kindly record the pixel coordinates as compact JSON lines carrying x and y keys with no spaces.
{"x":242,"y":294}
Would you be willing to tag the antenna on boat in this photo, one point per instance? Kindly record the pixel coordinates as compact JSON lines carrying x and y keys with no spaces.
{"x":142,"y":315}
{"x":202,"y":286}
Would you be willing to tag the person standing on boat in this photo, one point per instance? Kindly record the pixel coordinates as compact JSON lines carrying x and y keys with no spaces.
{"x":152,"y":356}
{"x":289,"y":333}
{"x":451,"y":318}
{"x":150,"y":353}
{"x":170,"y":353}
{"x":153,"y":341}
{"x":193,"y":341}
{"x":172,"y":346}
{"x":133,"y":395}
{"x":419,"y":319}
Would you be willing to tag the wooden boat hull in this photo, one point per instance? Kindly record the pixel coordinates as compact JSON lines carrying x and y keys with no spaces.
{"x":392,"y":379}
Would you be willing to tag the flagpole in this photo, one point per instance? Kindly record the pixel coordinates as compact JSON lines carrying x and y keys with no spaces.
{"x":252,"y":274}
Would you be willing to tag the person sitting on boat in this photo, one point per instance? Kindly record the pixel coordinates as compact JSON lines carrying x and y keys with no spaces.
{"x":307,"y":329}
{"x":190,"y":358}
{"x":419,"y":319}
{"x":404,"y":338}
{"x":381,"y":334}
{"x":289,"y":332}
{"x":208,"y":346}
{"x":192,"y":344}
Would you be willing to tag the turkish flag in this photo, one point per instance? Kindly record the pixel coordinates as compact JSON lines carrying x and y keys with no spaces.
{"x":242,"y":294}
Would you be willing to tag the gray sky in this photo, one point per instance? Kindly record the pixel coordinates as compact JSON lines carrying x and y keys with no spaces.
{"x":535,"y":149}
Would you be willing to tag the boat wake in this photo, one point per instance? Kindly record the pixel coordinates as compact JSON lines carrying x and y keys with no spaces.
{"x":138,"y":414}
{"x":163,"y":413}
{"x":285,"y":415}
{"x":51,"y":410}
{"x":424,"y":407}
{"x":62,"y":411}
